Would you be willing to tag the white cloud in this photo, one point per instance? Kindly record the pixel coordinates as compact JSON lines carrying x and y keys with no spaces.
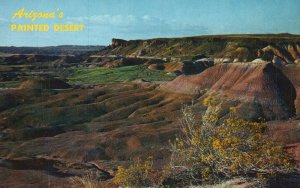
{"x":132,"y":26}
{"x":106,"y":19}
{"x":146,"y":17}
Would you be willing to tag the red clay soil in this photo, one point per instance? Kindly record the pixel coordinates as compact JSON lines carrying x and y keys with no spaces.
{"x":172,"y":67}
{"x":287,"y":132}
{"x":105,"y":123}
{"x":118,"y":122}
{"x":262,"y":84}
{"x":292,"y":73}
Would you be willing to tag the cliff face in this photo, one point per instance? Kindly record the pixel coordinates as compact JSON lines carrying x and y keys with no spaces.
{"x":281,"y":49}
{"x":118,"y":43}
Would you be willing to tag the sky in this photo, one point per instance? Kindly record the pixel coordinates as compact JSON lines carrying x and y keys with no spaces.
{"x":142,"y":19}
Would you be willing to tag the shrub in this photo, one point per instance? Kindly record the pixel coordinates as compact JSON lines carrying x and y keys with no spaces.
{"x":212,"y":149}
{"x":90,"y":180}
{"x":138,"y":174}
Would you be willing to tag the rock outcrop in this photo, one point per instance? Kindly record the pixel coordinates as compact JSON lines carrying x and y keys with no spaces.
{"x":198,"y":66}
{"x":118,"y":43}
{"x":236,"y":48}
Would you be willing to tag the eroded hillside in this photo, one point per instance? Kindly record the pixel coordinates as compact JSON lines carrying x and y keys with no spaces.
{"x":282,"y":48}
{"x":64,"y":116}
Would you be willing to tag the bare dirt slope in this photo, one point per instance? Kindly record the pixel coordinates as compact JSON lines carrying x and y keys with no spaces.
{"x":52,"y":130}
{"x":263,"y":85}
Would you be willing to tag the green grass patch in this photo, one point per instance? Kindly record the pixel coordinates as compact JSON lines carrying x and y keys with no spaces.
{"x":10,"y":84}
{"x":100,"y":75}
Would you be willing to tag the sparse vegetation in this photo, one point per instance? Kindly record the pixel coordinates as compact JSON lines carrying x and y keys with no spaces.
{"x":121,"y":74}
{"x":110,"y":115}
{"x":212,"y":150}
{"x":90,"y":180}
{"x":138,"y":174}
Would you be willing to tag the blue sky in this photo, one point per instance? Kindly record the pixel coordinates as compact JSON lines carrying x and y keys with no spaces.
{"x":140,"y":19}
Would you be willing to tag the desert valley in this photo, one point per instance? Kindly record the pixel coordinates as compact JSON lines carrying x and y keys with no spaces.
{"x":67,"y":111}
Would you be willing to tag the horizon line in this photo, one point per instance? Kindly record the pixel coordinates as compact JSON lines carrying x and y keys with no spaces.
{"x":176,"y":37}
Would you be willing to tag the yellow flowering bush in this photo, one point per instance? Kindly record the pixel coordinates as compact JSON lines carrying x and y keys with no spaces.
{"x":212,"y":149}
{"x":138,"y":174}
